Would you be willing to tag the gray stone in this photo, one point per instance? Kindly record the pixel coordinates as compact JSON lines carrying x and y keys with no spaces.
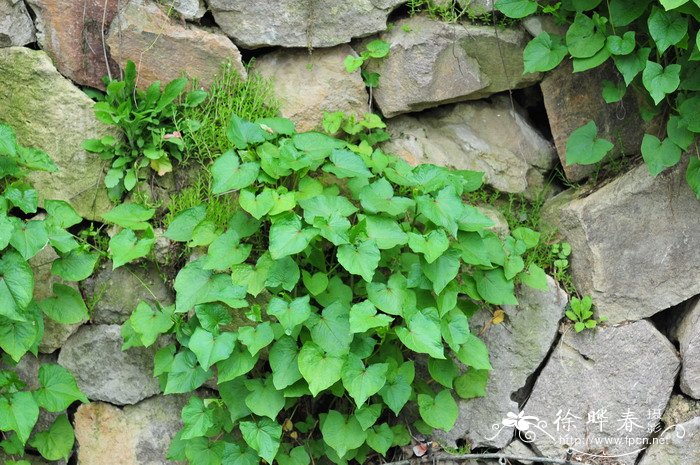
{"x":519,"y":449}
{"x":635,"y":242}
{"x":135,"y":435}
{"x":687,"y":333}
{"x":517,"y":348}
{"x":624,"y":373}
{"x":48,"y":112}
{"x":16,"y":27}
{"x":325,"y":83}
{"x":103,"y":371}
{"x":300,"y":23}
{"x":190,"y":9}
{"x":55,"y":334}
{"x":477,"y":7}
{"x":492,"y":137}
{"x":680,"y":409}
{"x":676,"y":446}
{"x":114,"y":294}
{"x":438,"y":63}
{"x":500,"y":227}
{"x":164,"y":48}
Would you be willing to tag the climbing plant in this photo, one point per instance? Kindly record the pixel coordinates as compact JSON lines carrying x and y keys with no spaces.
{"x":24,"y":232}
{"x":654,"y":45}
{"x":342,"y":273}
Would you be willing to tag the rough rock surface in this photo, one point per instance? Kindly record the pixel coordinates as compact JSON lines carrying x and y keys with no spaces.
{"x":634,"y":242}
{"x":55,"y":334}
{"x":677,"y":446}
{"x":136,"y":435}
{"x":308,"y":84}
{"x":189,"y":9}
{"x":48,"y":112}
{"x":300,"y":23}
{"x":624,"y":374}
{"x":437,"y":63}
{"x":680,"y":409}
{"x":72,"y":33}
{"x":16,"y":27}
{"x":103,"y":371}
{"x":492,"y":137}
{"x":573,"y":99}
{"x":116,"y":293}
{"x":164,"y":48}
{"x":517,"y":348}
{"x":687,"y":333}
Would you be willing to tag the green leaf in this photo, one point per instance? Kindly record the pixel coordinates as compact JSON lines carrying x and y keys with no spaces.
{"x":352,"y":63}
{"x":423,"y":333}
{"x":18,"y":337}
{"x":58,"y":388}
{"x":62,"y":213}
{"x":360,"y":259}
{"x":443,"y":210}
{"x":320,"y":369}
{"x":244,"y":133}
{"x":535,"y":277}
{"x":516,"y":9}
{"x":667,"y":28}
{"x":432,"y":245}
{"x":631,"y":65}
{"x":368,"y":415}
{"x":35,"y":159}
{"x":660,"y":81}
{"x":671,"y":4}
{"x":125,"y":247}
{"x":263,"y":435}
{"x":316,"y":283}
{"x":257,"y":205}
{"x":29,"y":238}
{"x":659,"y":155}
{"x":379,"y":197}
{"x":283,"y":360}
{"x":290,"y":314}
{"x":398,"y":389}
{"x":130,"y":216}
{"x":257,"y":337}
{"x":325,"y":206}
{"x":236,"y":455}
{"x":692,"y":175}
{"x":229,"y":175}
{"x":18,"y":412}
{"x":443,"y":270}
{"x":346,"y":164}
{"x":149,"y":322}
{"x":226,"y":251}
{"x":8,"y":141}
{"x":196,"y":419}
{"x":443,"y":371}
{"x":623,"y":12}
{"x":209,"y":348}
{"x":23,"y":197}
{"x":393,"y":297}
{"x":185,"y":374}
{"x":583,"y":38}
{"x":57,"y":442}
{"x":380,"y":438}
{"x":331,"y":329}
{"x":440,"y":411}
{"x":239,"y":363}
{"x":341,"y":433}
{"x":584,"y":147}
{"x":264,"y":399}
{"x":16,"y":285}
{"x":474,"y":353}
{"x":543,"y":53}
{"x":679,"y":134}
{"x":362,"y":382}
{"x":182,"y":226}
{"x":363,"y":317}
{"x":201,"y":451}
{"x":613,"y":92}
{"x":288,"y":236}
{"x":76,"y":266}
{"x":66,"y":306}
{"x":472,"y":384}
{"x":624,"y":45}
{"x":195,"y":285}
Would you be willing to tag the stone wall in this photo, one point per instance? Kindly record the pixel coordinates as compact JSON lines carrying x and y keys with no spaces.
{"x":453,"y":95}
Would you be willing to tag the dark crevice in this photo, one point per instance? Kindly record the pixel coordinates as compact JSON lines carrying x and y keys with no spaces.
{"x":530,"y":99}
{"x":522,"y":395}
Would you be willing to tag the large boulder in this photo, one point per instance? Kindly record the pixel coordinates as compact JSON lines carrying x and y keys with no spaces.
{"x":300,"y":23}
{"x":55,"y":334}
{"x":325,"y":83}
{"x":677,"y":445}
{"x":135,"y":435}
{"x":601,"y":391}
{"x":16,"y":27}
{"x":687,"y":333}
{"x":103,"y":371}
{"x":48,"y":112}
{"x":517,"y":348}
{"x":634,"y":242}
{"x":572,"y":99}
{"x":163,"y":48}
{"x":492,"y":137}
{"x":437,"y":63}
{"x":116,"y":293}
{"x":72,"y":32}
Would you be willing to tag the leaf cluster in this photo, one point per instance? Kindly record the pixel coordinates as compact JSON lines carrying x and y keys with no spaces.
{"x":341,"y":273}
{"x":580,"y":312}
{"x":376,"y":49}
{"x":654,"y":46}
{"x":148,"y":136}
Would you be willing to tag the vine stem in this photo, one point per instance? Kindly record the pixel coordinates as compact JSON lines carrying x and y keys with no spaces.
{"x":503,"y":457}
